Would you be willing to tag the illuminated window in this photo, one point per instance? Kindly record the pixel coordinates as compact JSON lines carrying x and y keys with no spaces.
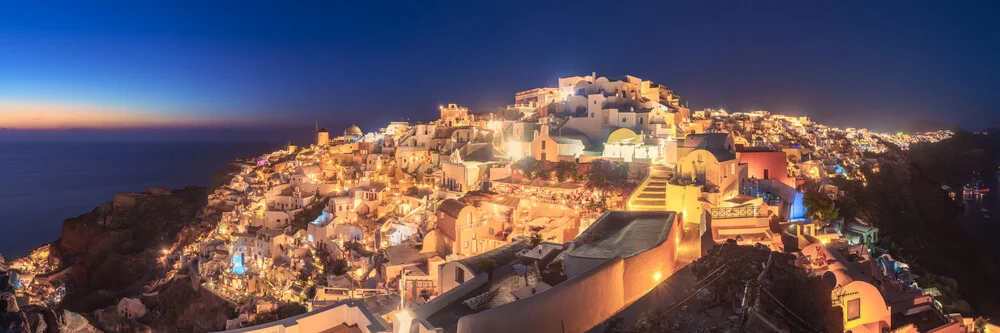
{"x":853,"y":309}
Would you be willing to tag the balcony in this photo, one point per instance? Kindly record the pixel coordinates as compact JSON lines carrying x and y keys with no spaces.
{"x":735,"y":212}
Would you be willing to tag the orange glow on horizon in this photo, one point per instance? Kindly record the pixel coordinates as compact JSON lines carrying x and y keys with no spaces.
{"x":47,"y":115}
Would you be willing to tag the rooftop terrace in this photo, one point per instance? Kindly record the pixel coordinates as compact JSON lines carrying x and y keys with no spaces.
{"x":623,"y":233}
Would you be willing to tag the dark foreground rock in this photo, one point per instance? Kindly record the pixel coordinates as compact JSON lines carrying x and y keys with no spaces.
{"x":173,"y":307}
{"x":116,"y":249}
{"x":37,"y":319}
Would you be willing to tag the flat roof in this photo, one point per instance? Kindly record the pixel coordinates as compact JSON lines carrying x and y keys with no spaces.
{"x":623,"y":233}
{"x":405,"y":253}
{"x":924,"y":320}
{"x":501,"y":255}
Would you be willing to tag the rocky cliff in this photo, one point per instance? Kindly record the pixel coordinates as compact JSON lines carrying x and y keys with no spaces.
{"x":33,"y":318}
{"x":922,"y":226}
{"x":115,"y":252}
{"x":117,"y":248}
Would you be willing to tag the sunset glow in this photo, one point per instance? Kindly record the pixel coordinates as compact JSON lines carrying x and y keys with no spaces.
{"x":44,"y":115}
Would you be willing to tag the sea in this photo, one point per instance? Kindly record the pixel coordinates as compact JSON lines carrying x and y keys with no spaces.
{"x":982,"y":214}
{"x":43,"y":183}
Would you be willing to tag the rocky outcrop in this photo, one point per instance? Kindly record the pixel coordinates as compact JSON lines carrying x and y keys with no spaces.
{"x":177,"y":307}
{"x":36,"y":319}
{"x":116,"y":249}
{"x":44,"y":320}
{"x":116,"y":252}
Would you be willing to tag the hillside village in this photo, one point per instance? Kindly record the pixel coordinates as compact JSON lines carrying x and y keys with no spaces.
{"x":573,"y":206}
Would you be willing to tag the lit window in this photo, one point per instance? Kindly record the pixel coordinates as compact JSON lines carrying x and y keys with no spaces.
{"x":853,"y":309}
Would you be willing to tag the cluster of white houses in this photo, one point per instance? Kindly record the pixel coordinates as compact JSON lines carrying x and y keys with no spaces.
{"x":438,"y":221}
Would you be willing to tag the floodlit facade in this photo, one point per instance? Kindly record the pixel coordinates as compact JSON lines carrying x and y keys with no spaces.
{"x":454,"y":115}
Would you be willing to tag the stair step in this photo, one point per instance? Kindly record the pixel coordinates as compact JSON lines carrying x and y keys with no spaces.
{"x":649,"y":202}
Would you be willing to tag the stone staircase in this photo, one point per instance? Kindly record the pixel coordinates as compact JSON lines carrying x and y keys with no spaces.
{"x":651,"y":195}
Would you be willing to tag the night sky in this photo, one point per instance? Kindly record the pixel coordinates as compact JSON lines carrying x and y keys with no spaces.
{"x":239,"y":65}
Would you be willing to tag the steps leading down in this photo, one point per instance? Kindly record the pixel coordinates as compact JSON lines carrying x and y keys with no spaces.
{"x":651,"y":195}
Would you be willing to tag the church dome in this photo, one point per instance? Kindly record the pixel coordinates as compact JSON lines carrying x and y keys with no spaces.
{"x":624,"y":136}
{"x":353,"y":130}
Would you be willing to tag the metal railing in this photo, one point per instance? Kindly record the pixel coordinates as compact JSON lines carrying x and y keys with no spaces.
{"x":735,"y":212}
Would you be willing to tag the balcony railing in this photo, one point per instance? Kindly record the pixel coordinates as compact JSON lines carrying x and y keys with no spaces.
{"x":735,"y":212}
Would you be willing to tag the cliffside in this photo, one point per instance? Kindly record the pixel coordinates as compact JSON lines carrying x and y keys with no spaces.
{"x":116,"y":251}
{"x":33,"y":318}
{"x":922,"y":226}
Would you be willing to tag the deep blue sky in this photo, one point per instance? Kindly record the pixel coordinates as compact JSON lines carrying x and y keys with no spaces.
{"x":850,"y":63}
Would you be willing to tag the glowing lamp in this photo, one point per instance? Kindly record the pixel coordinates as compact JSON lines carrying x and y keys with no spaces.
{"x":657,"y":276}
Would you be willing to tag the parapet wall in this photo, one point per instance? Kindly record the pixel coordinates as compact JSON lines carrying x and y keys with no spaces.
{"x":348,"y":313}
{"x":646,"y":270}
{"x":450,"y":296}
{"x":576,"y":305}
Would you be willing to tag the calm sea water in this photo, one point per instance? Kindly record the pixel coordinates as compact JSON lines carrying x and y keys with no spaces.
{"x":44,"y":182}
{"x":982,"y":214}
